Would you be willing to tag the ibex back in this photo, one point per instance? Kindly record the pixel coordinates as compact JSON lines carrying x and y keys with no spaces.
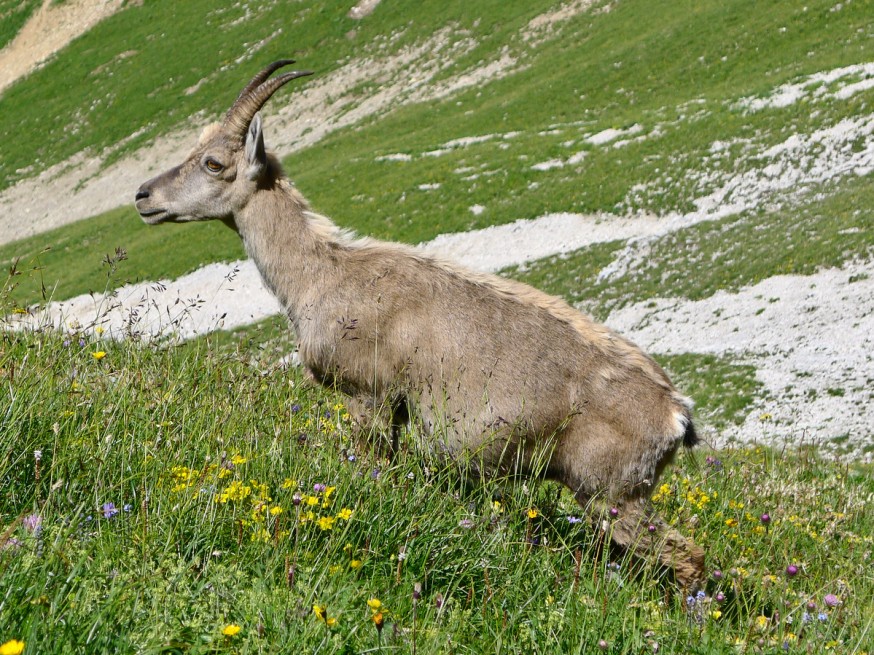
{"x":493,"y":371}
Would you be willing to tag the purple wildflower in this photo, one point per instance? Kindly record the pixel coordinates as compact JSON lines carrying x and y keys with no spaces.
{"x":12,"y":543}
{"x":574,"y":519}
{"x":822,"y":616}
{"x":831,"y":600}
{"x":295,"y":408}
{"x":318,"y":487}
{"x":109,"y":510}
{"x":765,"y":518}
{"x":714,"y":463}
{"x":717,"y":574}
{"x":127,"y":508}
{"x":32,"y":523}
{"x":614,"y":512}
{"x":719,"y":597}
{"x":791,"y":570}
{"x":465,"y":523}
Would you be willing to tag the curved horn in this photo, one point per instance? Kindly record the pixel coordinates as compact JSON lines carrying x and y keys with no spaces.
{"x":256,"y":93}
{"x":256,"y":81}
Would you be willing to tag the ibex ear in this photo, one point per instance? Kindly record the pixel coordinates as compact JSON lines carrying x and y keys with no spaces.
{"x":256,"y":155}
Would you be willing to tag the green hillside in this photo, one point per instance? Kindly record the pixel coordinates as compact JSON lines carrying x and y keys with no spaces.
{"x":672,"y":75}
{"x":201,"y":498}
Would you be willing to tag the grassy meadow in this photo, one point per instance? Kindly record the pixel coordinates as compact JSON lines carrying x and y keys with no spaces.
{"x":156,"y":499}
{"x":200,"y":498}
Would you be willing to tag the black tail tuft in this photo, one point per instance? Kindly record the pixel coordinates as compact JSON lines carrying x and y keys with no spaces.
{"x":690,"y":438}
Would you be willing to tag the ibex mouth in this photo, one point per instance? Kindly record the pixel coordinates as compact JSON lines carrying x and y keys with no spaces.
{"x":153,"y":216}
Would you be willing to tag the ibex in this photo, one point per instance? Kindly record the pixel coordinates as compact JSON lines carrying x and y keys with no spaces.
{"x":492,"y":371}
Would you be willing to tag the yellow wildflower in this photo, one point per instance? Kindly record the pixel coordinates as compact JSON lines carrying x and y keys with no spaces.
{"x":12,"y":647}
{"x":716,"y":614}
{"x":100,"y":354}
{"x":321,"y":613}
{"x":238,"y":459}
{"x":276,"y":510}
{"x":288,"y":483}
{"x":312,"y":500}
{"x":374,"y":604}
{"x":231,"y":630}
{"x":533,"y":513}
{"x":344,"y":514}
{"x":326,"y":522}
{"x":355,"y":564}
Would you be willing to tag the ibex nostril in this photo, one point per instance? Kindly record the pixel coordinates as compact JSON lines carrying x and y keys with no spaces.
{"x":142,"y":194}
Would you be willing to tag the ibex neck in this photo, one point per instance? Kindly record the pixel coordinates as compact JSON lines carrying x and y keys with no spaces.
{"x":289,"y":246}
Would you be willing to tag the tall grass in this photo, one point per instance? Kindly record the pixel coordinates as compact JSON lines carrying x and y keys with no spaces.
{"x":154,"y":497}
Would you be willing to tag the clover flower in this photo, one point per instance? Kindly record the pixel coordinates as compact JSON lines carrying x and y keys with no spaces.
{"x":831,"y":600}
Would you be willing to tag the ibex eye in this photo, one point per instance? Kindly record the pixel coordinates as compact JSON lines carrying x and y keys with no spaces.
{"x":213,"y":166}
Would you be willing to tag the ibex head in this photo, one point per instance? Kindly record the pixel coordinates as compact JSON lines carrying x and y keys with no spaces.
{"x":223,"y":171}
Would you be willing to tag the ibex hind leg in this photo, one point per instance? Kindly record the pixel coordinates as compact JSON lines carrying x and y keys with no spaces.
{"x":638,"y":529}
